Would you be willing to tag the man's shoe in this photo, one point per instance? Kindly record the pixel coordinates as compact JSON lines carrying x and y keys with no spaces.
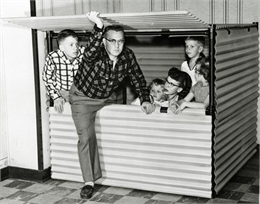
{"x":86,"y":192}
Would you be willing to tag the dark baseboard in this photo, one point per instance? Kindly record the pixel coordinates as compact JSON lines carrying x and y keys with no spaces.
{"x":26,"y":174}
{"x":4,"y":173}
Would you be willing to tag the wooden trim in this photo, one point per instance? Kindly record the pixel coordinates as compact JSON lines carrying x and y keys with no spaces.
{"x":37,"y":90}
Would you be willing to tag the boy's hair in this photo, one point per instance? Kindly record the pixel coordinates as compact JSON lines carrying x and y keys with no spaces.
{"x":199,"y":39}
{"x":183,"y":78}
{"x":116,"y":28}
{"x":156,"y":82}
{"x":64,"y":34}
{"x":204,"y":68}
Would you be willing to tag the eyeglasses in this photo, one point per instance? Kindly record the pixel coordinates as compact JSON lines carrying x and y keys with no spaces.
{"x":170,"y":83}
{"x":113,"y":41}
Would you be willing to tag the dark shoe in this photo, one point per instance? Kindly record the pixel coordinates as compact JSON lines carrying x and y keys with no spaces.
{"x":86,"y":192}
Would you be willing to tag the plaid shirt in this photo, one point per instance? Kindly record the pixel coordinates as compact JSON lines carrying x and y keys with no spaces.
{"x":59,"y":71}
{"x":96,"y":77}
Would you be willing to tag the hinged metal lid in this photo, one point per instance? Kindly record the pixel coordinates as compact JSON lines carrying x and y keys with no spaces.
{"x":150,"y":21}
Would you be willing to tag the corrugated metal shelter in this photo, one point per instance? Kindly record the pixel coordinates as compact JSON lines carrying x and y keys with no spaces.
{"x":195,"y":153}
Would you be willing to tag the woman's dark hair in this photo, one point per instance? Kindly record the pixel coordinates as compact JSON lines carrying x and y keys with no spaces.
{"x":183,"y":78}
{"x":204,"y":68}
{"x":64,"y":34}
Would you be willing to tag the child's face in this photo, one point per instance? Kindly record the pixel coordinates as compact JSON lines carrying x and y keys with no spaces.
{"x":172,"y":86}
{"x":156,"y":92}
{"x":193,"y":48}
{"x":70,"y":47}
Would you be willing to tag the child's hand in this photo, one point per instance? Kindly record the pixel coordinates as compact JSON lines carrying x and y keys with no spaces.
{"x":182,"y":106}
{"x":147,"y":107}
{"x":175,"y":108}
{"x":93,"y":16}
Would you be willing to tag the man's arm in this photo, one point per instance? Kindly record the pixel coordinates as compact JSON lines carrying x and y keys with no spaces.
{"x":91,"y":51}
{"x":137,"y":79}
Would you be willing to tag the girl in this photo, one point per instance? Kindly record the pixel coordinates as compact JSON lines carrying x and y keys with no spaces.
{"x":200,"y":91}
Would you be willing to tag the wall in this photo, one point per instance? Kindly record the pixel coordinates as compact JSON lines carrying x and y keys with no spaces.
{"x":18,"y":124}
{"x":3,"y":113}
{"x":223,"y":11}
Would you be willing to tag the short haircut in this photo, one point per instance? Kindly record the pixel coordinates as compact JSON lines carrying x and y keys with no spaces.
{"x":183,"y":78}
{"x":64,"y":34}
{"x":157,"y":82}
{"x":116,"y":28}
{"x":199,"y":39}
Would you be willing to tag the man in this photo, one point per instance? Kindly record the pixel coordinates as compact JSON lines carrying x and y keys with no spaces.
{"x":106,"y":62}
{"x":60,"y":68}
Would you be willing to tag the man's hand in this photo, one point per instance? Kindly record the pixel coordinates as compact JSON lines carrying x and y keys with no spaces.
{"x":58,"y":104}
{"x":94,"y":17}
{"x":147,"y":107}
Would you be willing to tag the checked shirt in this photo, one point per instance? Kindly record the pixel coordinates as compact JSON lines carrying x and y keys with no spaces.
{"x":59,"y":71}
{"x":97,"y":78}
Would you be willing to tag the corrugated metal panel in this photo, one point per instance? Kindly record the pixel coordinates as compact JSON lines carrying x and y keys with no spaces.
{"x":157,"y":152}
{"x":181,"y":20}
{"x":236,"y":93}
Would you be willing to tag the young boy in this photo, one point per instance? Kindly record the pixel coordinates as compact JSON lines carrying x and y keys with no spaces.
{"x":156,"y":88}
{"x":60,"y":68}
{"x":194,"y":47}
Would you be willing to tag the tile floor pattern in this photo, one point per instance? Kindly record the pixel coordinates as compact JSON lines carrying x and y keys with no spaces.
{"x":242,"y":188}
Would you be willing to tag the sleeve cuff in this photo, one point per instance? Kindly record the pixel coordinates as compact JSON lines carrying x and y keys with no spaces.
{"x":97,"y":29}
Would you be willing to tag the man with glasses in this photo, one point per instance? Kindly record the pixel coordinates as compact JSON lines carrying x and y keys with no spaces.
{"x":106,"y":62}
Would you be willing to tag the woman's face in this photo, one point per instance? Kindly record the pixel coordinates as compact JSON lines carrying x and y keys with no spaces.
{"x":171,"y":86}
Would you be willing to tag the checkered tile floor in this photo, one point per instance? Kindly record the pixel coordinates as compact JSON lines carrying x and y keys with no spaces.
{"x":242,"y":188}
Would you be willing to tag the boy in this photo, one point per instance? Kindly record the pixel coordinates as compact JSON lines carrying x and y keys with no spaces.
{"x":156,"y":88}
{"x":194,"y":47}
{"x":60,"y":68}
